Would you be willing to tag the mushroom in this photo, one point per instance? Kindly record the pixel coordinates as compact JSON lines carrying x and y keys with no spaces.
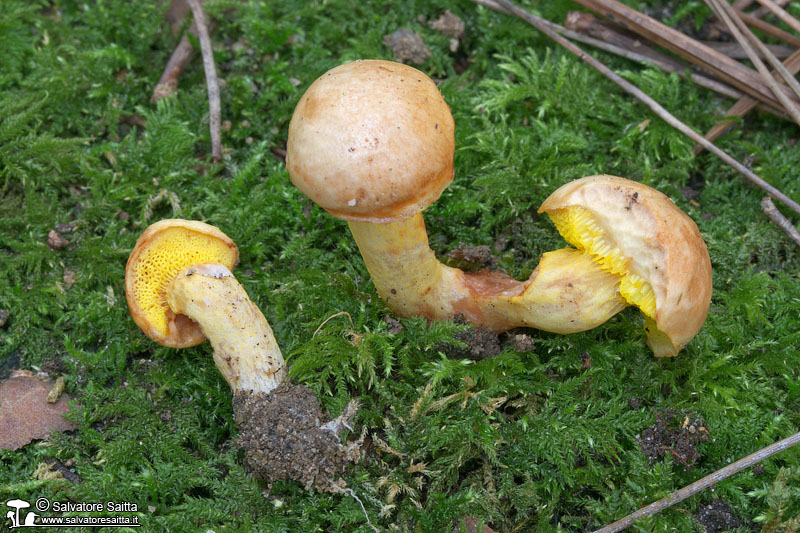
{"x":637,"y":233}
{"x":372,"y":143}
{"x":180,"y":291}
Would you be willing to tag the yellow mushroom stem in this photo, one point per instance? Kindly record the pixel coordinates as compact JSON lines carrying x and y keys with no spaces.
{"x":245,"y":350}
{"x":568,"y":292}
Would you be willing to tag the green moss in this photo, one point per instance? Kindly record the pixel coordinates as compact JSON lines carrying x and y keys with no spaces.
{"x":544,"y":440}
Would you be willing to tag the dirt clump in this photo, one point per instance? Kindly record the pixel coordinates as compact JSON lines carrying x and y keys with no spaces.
{"x":472,"y":258}
{"x":451,"y":26}
{"x":480,"y":343}
{"x":407,"y":46}
{"x":393,"y":325}
{"x":522,"y":342}
{"x":717,"y":516}
{"x":674,"y":435}
{"x":282,"y":437}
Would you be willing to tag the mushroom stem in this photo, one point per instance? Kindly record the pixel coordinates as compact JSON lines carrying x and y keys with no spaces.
{"x":245,"y":350}
{"x":567,"y":292}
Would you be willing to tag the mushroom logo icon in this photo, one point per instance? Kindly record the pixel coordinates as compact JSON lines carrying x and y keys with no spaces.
{"x":14,"y":515}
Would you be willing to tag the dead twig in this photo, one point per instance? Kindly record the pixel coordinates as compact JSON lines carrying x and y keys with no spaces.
{"x":744,"y":106}
{"x":735,"y":51}
{"x":747,"y":40}
{"x":729,"y":70}
{"x":781,"y":221}
{"x":779,"y":12}
{"x":754,"y":19}
{"x":701,"y":484}
{"x":584,"y":27}
{"x":168,"y":84}
{"x":609,"y":32}
{"x":761,"y":11}
{"x":182,"y":55}
{"x":631,"y":89}
{"x":176,"y":12}
{"x":214,"y":108}
{"x":769,"y":29}
{"x":631,"y":50}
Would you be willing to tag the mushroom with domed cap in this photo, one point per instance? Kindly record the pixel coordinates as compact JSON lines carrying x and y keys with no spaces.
{"x":372,"y":142}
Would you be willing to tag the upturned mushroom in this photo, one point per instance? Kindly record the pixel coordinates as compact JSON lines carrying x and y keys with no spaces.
{"x":180,"y":292}
{"x":372,"y":143}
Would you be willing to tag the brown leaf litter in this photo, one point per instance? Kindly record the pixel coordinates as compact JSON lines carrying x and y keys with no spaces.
{"x":25,"y":414}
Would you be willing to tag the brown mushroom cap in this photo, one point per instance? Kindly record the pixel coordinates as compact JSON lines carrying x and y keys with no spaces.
{"x":372,"y":141}
{"x":161,"y":252}
{"x":639,"y":233}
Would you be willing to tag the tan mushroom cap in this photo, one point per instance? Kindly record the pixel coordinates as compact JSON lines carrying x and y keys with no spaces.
{"x":640,"y":234}
{"x":372,"y":141}
{"x":161,"y":252}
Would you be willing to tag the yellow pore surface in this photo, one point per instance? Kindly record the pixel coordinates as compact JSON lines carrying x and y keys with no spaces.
{"x":579,"y":228}
{"x":169,"y":252}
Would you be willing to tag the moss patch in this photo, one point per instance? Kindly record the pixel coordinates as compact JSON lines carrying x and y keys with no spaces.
{"x":532,"y":440}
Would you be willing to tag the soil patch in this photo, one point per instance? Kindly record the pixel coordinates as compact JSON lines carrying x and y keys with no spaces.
{"x":717,"y":516}
{"x":281,"y":436}
{"x":472,"y":258}
{"x":481,"y":343}
{"x":675,"y":435}
{"x":407,"y":46}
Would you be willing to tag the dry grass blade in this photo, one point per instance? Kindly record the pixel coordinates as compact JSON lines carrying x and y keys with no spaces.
{"x":214,"y":107}
{"x":701,"y":484}
{"x":747,"y":39}
{"x":541,"y":25}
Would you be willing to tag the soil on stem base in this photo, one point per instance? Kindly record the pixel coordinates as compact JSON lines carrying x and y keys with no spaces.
{"x":281,"y":436}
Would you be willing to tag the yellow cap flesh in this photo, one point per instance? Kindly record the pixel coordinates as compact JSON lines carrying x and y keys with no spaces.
{"x":161,"y":252}
{"x":579,"y":229}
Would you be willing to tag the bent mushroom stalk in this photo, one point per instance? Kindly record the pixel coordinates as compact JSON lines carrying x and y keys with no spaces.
{"x":372,"y":142}
{"x":180,"y":292}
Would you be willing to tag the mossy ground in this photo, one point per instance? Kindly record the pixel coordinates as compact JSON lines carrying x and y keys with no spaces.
{"x":538,"y":440}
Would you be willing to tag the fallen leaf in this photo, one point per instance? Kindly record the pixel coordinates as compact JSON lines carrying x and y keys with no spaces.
{"x":25,"y":414}
{"x":55,"y":241}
